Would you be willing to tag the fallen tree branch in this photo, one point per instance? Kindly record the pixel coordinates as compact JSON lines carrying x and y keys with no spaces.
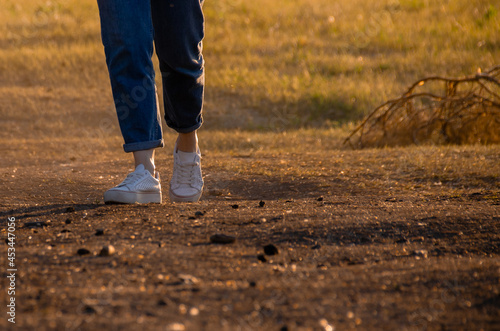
{"x":436,"y":110}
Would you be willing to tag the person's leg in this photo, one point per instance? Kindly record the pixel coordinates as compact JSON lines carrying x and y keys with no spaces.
{"x":127,"y":35}
{"x":179,"y":31}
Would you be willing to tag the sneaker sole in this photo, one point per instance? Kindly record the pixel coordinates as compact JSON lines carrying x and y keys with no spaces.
{"x":131,"y":197}
{"x":191,"y":198}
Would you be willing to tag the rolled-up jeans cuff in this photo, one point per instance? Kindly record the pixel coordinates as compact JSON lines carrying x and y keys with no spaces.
{"x":186,"y":130}
{"x":145,"y":145}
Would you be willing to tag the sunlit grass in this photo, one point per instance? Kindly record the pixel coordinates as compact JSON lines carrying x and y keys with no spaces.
{"x":278,"y":64}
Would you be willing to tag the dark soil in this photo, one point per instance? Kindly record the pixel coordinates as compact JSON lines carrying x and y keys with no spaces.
{"x":366,"y":247}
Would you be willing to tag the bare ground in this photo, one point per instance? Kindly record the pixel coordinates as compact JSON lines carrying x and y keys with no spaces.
{"x":393,"y":239}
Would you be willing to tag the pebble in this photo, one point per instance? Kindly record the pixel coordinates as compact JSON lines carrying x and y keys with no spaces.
{"x":325,"y":325}
{"x":194,"y":311}
{"x":107,"y":250}
{"x":82,"y":251}
{"x":271,"y":250}
{"x":222,"y":239}
{"x":262,"y":204}
{"x":70,"y":209}
{"x":199,"y":214}
{"x":182,"y":309}
{"x":99,"y":232}
{"x":421,"y":253}
{"x":89,"y":310}
{"x":235,"y":206}
{"x":68,"y":221}
{"x":35,"y":224}
{"x":188,"y":279}
{"x":176,"y":327}
{"x":261,"y":258}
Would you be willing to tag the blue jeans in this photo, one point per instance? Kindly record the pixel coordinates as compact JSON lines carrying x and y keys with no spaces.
{"x":128,"y":29}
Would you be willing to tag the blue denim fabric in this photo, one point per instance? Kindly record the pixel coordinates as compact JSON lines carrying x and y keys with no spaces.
{"x":128,"y":29}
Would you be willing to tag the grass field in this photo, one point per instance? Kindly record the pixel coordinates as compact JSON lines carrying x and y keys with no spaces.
{"x":403,"y":238}
{"x":287,"y":63}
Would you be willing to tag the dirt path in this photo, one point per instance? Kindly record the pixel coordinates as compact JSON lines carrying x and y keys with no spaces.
{"x":368,"y":240}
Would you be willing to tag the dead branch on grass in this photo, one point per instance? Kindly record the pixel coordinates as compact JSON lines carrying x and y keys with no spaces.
{"x":436,"y":110}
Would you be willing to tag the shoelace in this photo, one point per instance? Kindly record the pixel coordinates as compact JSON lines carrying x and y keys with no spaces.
{"x":130,"y":179}
{"x":185,"y":173}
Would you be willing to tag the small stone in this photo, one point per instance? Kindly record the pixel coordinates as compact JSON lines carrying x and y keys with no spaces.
{"x":194,"y":311}
{"x":70,"y":209}
{"x":107,"y":250}
{"x":320,"y":199}
{"x":35,"y":224}
{"x":262,"y":204}
{"x":188,"y":279}
{"x":261,"y":258}
{"x":235,"y":206}
{"x":271,"y":250}
{"x":191,"y":218}
{"x":252,"y":284}
{"x":68,"y":221}
{"x":65,"y":231}
{"x":284,"y":328}
{"x":82,"y":251}
{"x":161,"y":302}
{"x":176,"y":327}
{"x":222,"y":239}
{"x":99,"y":232}
{"x":182,"y":309}
{"x":325,"y":325}
{"x":199,"y":214}
{"x":89,"y":310}
{"x":421,"y":253}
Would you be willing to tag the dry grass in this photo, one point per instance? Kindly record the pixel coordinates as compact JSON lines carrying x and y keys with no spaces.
{"x":281,"y":64}
{"x":437,"y":110}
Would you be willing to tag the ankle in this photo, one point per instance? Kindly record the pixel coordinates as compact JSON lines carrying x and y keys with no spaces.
{"x":146,"y":158}
{"x":187,"y":142}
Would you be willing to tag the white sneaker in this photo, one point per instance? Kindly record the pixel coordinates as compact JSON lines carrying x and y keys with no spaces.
{"x":139,"y":187}
{"x":187,"y":182}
